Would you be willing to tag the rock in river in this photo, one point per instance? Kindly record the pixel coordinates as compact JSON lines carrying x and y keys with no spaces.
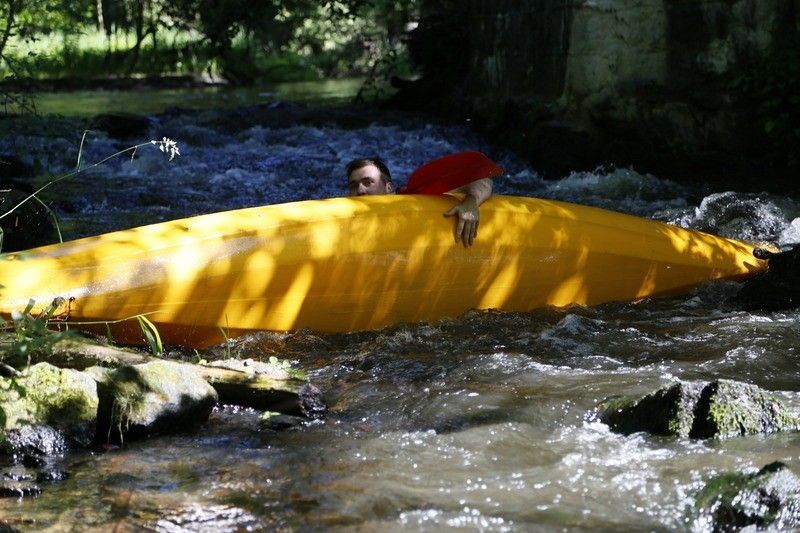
{"x":722,"y":409}
{"x":768,"y":498}
{"x":141,"y":400}
{"x":42,"y":407}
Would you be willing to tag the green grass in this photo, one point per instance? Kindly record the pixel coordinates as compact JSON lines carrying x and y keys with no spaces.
{"x":90,"y":55}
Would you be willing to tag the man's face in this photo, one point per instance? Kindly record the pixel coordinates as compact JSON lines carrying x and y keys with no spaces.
{"x":367,"y":180}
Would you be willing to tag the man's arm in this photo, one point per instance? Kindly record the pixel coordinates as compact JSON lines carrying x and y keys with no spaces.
{"x":467,"y":211}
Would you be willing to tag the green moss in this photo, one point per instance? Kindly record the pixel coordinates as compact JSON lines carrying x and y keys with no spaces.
{"x":743,"y":409}
{"x":44,"y":394}
{"x":722,"y":487}
{"x":732,"y":419}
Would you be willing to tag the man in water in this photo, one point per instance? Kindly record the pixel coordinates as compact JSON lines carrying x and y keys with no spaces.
{"x":372,"y":176}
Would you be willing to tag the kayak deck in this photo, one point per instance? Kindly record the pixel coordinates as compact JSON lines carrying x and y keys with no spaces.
{"x":347,"y":264}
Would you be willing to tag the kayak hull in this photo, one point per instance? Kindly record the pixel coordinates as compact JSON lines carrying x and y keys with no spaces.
{"x":347,"y":264}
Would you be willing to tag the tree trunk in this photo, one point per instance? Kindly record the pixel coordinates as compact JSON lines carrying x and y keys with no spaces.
{"x":13,"y":7}
{"x":138,"y":24}
{"x":99,"y":20}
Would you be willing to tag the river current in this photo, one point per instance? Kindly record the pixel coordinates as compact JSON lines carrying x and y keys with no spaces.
{"x":484,"y":422}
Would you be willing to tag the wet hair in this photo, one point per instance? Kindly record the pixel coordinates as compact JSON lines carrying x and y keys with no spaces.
{"x":377,"y":162}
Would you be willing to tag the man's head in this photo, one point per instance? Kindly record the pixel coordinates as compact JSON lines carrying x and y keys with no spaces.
{"x":368,"y":176}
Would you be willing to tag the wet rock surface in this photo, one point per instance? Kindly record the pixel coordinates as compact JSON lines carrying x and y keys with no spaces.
{"x":718,"y":409}
{"x":768,"y":498}
{"x":312,"y":402}
{"x":730,"y":409}
{"x":32,"y":444}
{"x":18,"y":489}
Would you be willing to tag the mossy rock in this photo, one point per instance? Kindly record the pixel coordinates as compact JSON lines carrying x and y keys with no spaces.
{"x":730,"y":409}
{"x":668,"y":411}
{"x":732,"y":501}
{"x":141,"y":400}
{"x":44,"y":395}
{"x":719,"y":409}
{"x":44,"y":408}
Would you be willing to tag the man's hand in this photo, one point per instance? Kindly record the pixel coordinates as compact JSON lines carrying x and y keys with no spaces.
{"x":468,"y":219}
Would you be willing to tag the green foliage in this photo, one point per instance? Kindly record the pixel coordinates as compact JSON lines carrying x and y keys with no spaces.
{"x":151,"y":335}
{"x":29,"y":335}
{"x":236,"y":39}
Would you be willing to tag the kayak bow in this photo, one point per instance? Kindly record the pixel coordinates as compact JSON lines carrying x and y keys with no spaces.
{"x":359,"y":263}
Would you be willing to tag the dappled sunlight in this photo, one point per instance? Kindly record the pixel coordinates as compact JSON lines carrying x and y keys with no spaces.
{"x":348,"y":264}
{"x":573,"y":288}
{"x":649,"y":282}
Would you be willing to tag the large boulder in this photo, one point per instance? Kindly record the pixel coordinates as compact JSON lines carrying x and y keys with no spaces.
{"x":768,"y":498}
{"x":141,"y":400}
{"x":44,"y":409}
{"x":721,"y":409}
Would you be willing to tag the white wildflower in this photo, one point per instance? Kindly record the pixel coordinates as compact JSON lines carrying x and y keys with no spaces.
{"x":168,"y":146}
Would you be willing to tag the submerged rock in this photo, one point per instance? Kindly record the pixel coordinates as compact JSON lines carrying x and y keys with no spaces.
{"x":271,"y":420}
{"x":140,"y":400}
{"x":721,"y":409}
{"x":770,"y":497}
{"x":44,"y":408}
{"x":12,"y":166}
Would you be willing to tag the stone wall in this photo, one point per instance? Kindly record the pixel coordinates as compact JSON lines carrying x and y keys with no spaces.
{"x":641,"y":82}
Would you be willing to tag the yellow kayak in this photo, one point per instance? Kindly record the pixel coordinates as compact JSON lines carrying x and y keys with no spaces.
{"x":347,"y":264}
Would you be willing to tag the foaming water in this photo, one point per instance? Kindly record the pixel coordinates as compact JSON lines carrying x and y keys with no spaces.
{"x":482,"y":422}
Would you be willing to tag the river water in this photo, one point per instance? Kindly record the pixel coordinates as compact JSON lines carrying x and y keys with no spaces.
{"x":484,"y":422}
